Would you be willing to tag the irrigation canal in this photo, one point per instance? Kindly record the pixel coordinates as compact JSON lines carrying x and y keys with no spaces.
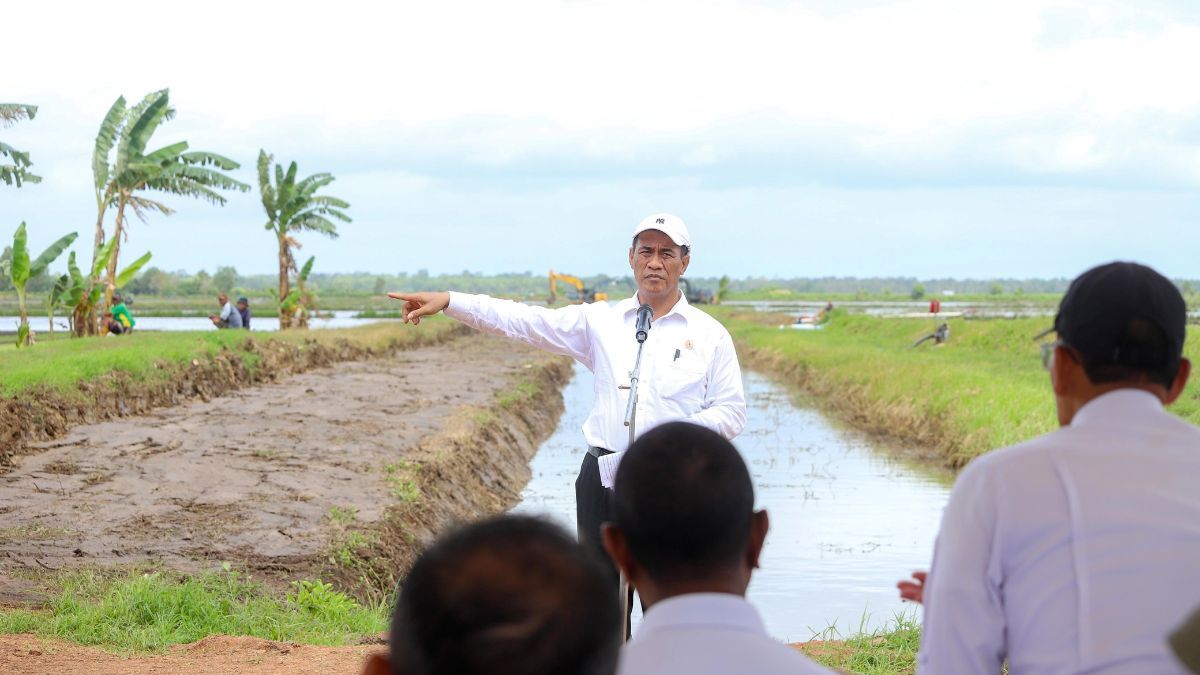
{"x":847,"y":521}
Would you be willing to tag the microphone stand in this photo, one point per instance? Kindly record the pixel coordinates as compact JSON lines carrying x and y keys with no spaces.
{"x":631,"y":421}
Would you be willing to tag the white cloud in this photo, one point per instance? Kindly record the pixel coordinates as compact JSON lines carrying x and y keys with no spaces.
{"x":520,"y":104}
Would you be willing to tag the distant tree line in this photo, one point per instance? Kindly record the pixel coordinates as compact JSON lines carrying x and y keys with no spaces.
{"x":529,"y":284}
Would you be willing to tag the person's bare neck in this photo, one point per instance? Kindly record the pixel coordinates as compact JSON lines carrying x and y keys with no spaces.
{"x":659,"y":304}
{"x":732,"y":584}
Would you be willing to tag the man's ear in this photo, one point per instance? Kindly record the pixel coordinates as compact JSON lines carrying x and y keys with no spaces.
{"x":1062,"y":371}
{"x":1181,"y":378}
{"x":377,"y":664}
{"x":630,"y":257}
{"x":618,"y":549}
{"x":759,"y":524}
{"x":686,"y":260}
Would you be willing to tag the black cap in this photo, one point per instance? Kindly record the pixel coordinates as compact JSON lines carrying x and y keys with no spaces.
{"x":1102,"y":304}
{"x":243,"y":300}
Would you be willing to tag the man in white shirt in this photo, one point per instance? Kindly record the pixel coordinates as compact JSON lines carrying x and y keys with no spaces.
{"x":686,"y":535}
{"x":1079,"y":551}
{"x":689,"y":368}
{"x":229,"y":316}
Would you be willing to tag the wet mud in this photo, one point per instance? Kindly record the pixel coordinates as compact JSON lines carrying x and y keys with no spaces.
{"x":341,"y":472}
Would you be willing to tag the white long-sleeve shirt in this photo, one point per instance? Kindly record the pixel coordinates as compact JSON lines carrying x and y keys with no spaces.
{"x":690,"y":371}
{"x":1076,"y":552}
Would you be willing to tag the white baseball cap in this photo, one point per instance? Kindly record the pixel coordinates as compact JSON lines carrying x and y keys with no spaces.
{"x":670,"y":225}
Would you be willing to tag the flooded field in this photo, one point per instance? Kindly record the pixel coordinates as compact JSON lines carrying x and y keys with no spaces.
{"x":270,"y":323}
{"x":846,"y":521}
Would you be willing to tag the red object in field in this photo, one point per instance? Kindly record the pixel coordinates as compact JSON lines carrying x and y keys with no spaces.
{"x":935,"y":306}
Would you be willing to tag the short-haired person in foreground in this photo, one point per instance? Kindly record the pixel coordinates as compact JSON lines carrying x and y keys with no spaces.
{"x":513,"y":595}
{"x":688,"y":538}
{"x":1079,"y":551}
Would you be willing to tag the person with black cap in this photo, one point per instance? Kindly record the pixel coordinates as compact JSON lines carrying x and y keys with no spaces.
{"x":689,"y":370}
{"x":1079,"y":551}
{"x":243,"y":308}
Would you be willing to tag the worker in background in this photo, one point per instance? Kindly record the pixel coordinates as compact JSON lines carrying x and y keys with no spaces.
{"x":243,"y":308}
{"x":228,"y":317}
{"x":120,"y":313}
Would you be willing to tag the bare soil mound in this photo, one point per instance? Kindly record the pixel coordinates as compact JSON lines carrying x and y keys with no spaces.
{"x":217,"y":655}
{"x":269,"y":477}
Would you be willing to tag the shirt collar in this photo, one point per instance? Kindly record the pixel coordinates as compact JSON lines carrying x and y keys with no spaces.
{"x":680,"y":308}
{"x":703,"y":610}
{"x":1116,"y":405}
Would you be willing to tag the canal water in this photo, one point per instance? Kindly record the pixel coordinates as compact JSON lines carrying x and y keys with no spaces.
{"x":337,"y":319}
{"x":847,"y":521}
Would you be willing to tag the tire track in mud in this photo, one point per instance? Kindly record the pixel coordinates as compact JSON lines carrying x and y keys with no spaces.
{"x":257,"y":476}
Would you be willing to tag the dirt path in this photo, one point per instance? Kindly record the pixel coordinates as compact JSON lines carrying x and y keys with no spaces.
{"x":249,"y":477}
{"x":218,"y":655}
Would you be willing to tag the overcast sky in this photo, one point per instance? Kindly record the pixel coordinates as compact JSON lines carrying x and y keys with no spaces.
{"x":922,"y":138}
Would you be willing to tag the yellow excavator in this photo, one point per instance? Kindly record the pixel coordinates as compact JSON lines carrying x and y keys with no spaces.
{"x":582,"y":294}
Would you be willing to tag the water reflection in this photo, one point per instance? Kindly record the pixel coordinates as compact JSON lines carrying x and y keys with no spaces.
{"x":846,"y":522}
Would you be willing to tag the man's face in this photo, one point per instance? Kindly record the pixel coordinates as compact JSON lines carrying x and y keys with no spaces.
{"x":241,"y":305}
{"x":657,"y":263}
{"x":222,"y":299}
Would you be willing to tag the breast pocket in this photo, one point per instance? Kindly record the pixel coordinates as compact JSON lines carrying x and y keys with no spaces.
{"x":684,"y":382}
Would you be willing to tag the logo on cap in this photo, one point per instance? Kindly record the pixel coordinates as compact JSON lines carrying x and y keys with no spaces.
{"x":661,"y":221}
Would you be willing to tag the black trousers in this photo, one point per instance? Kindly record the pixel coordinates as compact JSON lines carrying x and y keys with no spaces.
{"x":593,"y":508}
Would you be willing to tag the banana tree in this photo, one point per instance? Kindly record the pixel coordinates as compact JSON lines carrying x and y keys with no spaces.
{"x":21,"y":270}
{"x":171,"y":169}
{"x":18,"y":171}
{"x":85,"y":293}
{"x":293,"y":206}
{"x":57,"y":298}
{"x":299,"y":301}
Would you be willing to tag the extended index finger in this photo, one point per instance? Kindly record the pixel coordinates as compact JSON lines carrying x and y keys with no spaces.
{"x":403,"y":296}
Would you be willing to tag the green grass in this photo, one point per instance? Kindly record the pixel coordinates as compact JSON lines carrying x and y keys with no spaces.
{"x":149,"y":612}
{"x":890,"y":650}
{"x":62,"y":363}
{"x":984,"y":389}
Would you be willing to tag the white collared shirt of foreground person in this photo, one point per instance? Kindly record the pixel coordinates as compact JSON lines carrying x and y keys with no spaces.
{"x":709,"y":633}
{"x":1079,"y":551}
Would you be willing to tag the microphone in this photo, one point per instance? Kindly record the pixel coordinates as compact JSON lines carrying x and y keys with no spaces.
{"x":643,"y":323}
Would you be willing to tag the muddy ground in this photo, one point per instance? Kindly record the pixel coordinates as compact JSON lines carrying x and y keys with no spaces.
{"x":218,"y":655}
{"x":251,"y":477}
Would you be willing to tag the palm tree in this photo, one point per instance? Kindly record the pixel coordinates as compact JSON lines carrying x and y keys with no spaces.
{"x":17,"y":172}
{"x":293,"y":207}
{"x":171,"y":169}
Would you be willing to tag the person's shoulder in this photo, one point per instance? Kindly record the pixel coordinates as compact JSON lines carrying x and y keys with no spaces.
{"x":1022,"y":459}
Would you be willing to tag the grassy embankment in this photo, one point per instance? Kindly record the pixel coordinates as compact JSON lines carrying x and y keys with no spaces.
{"x":63,"y":363}
{"x":984,"y":389}
{"x":152,"y":611}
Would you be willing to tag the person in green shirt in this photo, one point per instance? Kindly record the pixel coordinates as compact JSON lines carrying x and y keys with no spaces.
{"x":121,"y":313}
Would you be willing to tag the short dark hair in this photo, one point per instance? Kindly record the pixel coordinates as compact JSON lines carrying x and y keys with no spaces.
{"x":684,"y":251}
{"x":1142,"y":355}
{"x":684,"y":502}
{"x":511,"y":594}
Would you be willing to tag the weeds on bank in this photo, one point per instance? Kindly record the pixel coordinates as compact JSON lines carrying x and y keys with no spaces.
{"x":890,"y":650}
{"x":149,"y":612}
{"x":401,"y":478}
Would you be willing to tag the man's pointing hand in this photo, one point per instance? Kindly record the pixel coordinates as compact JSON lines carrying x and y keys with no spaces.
{"x":417,"y":305}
